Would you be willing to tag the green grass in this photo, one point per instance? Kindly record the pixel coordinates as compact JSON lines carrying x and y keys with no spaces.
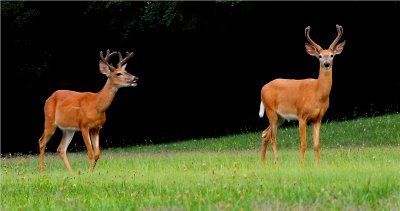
{"x":360,"y":170}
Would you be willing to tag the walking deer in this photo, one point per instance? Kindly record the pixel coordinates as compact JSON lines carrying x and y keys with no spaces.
{"x":73,"y":111}
{"x":303,"y":100}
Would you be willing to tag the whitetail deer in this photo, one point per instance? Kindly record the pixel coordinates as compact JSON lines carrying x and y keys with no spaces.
{"x":302,"y":100}
{"x":73,"y":111}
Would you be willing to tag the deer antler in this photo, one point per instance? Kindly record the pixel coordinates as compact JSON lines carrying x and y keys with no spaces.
{"x":340,"y":32}
{"x":310,"y":40}
{"x":123,"y":61}
{"x":105,"y":60}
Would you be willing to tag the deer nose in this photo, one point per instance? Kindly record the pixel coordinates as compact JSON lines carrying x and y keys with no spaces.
{"x":326,"y":64}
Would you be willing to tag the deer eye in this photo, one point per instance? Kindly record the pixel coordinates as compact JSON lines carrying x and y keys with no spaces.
{"x":331,"y":55}
{"x":320,"y":56}
{"x":118,"y":74}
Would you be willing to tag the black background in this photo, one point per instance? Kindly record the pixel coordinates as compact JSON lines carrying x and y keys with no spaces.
{"x":200,"y":83}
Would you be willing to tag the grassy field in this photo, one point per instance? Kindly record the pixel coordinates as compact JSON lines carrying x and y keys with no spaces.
{"x":360,"y":170}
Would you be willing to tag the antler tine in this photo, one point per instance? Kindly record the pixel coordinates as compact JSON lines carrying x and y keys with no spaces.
{"x":108,"y":56}
{"x":120,"y":56}
{"x":123,"y":61}
{"x":307,"y":30}
{"x":340,"y":33}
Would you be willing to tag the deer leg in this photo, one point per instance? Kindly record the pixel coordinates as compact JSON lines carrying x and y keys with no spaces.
{"x":266,"y":136}
{"x":317,"y":126}
{"x":94,"y":135}
{"x":273,"y":143}
{"x":47,"y":134}
{"x":302,"y":130}
{"x":274,"y":129}
{"x":62,"y":148}
{"x":274,"y":122}
{"x":86,"y":138}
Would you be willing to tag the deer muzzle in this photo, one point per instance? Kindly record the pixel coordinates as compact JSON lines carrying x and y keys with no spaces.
{"x":134,"y":80}
{"x":327,"y":64}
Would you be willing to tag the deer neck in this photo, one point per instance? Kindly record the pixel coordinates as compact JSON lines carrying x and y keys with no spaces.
{"x":324,"y":82}
{"x":106,"y":96}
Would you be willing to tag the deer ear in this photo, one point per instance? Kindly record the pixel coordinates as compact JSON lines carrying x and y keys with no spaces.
{"x":311,"y":50}
{"x":124,"y":66}
{"x":104,"y":68}
{"x":339,"y":48}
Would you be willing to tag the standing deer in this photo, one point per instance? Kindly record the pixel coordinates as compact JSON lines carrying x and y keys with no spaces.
{"x":84,"y":111}
{"x":302,"y":100}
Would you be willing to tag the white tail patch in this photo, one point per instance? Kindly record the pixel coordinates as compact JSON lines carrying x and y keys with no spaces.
{"x":262,"y":110}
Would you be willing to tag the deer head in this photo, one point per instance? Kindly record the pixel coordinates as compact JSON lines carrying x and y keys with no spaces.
{"x":325,"y":56}
{"x":118,"y":76}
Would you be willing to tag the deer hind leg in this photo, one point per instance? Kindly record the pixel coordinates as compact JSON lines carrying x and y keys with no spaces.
{"x":266,"y":136}
{"x":270,"y":134}
{"x":44,"y":139}
{"x":94,"y":136}
{"x":49,"y":128}
{"x":303,"y":141}
{"x":88,"y":143}
{"x":62,"y":148}
{"x":274,"y":129}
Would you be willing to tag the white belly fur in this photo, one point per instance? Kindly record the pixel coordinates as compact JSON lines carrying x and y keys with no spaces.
{"x":288,"y":117}
{"x":68,"y":128}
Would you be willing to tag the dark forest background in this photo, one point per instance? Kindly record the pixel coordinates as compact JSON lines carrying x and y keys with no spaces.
{"x":201,"y":64}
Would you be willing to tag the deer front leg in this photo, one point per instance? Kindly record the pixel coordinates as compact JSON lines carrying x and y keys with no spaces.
{"x":302,"y":130}
{"x":88,"y":143}
{"x":317,"y":127}
{"x":62,"y":148}
{"x":94,"y":135}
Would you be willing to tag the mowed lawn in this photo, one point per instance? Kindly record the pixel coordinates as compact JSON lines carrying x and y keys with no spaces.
{"x":360,"y":170}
